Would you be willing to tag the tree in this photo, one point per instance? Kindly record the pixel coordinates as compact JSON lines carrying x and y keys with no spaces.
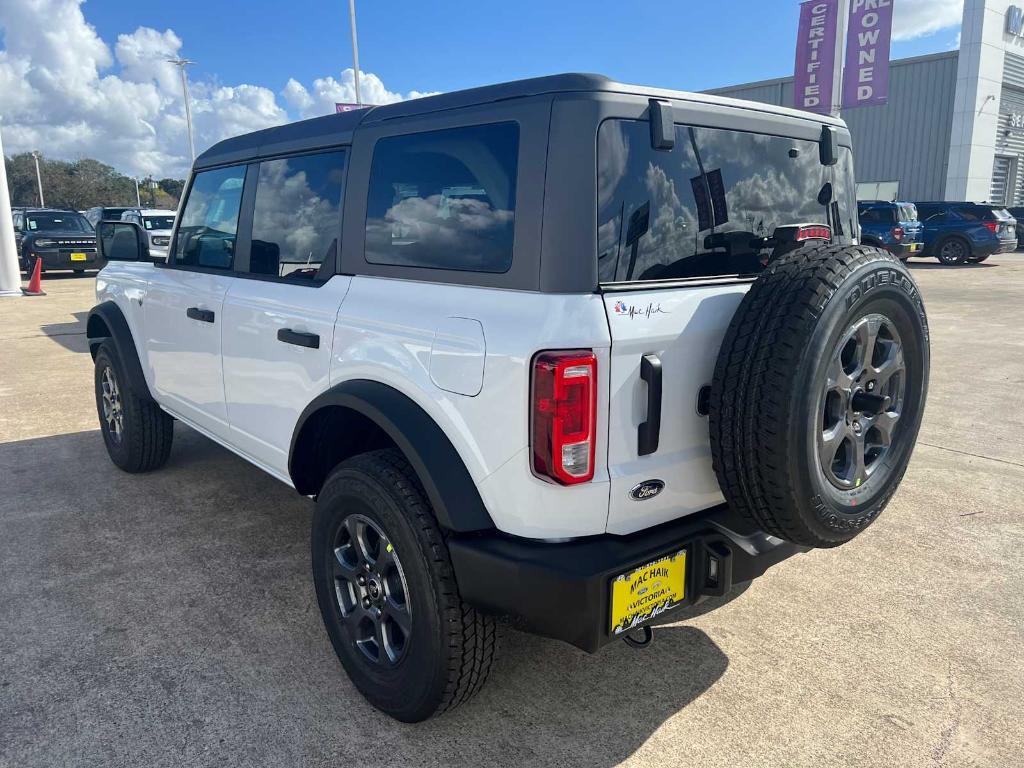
{"x":81,"y":184}
{"x":173,"y":187}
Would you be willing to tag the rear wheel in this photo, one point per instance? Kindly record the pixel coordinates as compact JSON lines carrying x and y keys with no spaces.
{"x":953,"y":251}
{"x":387,"y":592}
{"x":818,"y":393}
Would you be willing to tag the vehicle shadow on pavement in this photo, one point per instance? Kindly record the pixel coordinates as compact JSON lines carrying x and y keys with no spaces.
{"x":168,"y":618}
{"x":71,"y":334}
{"x":937,"y":265}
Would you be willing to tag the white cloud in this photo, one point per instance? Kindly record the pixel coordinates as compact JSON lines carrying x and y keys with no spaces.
{"x":917,"y":18}
{"x":64,"y":92}
{"x":327,"y":91}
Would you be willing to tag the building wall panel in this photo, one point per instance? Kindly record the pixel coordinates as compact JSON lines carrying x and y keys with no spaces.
{"x":907,"y":139}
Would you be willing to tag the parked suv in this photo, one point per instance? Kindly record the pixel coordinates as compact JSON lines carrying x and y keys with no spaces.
{"x":1018,"y":214}
{"x":157,"y":223}
{"x":57,"y":239}
{"x":579,"y":353}
{"x":956,"y":233}
{"x":893,"y":226}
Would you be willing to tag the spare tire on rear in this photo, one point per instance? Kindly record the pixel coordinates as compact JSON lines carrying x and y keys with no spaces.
{"x":818,"y":393}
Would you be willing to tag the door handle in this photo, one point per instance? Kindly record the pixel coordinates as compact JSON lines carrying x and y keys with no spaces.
{"x":203,"y":315}
{"x":650,"y":431}
{"x":298,"y":338}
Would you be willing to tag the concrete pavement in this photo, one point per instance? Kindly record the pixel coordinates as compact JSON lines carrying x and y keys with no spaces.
{"x":169,"y":619}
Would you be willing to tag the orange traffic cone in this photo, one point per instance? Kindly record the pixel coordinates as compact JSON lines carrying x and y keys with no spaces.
{"x":35,"y":287}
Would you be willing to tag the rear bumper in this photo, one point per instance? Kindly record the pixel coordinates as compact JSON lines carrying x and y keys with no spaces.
{"x":1007,"y":246}
{"x":904,"y":250}
{"x":563,"y":590}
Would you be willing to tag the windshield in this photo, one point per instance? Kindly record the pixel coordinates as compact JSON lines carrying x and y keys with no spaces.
{"x":158,"y":222}
{"x":711,"y":205}
{"x":57,"y":222}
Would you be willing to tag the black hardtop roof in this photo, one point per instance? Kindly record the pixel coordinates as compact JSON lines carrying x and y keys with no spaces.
{"x":337,"y":129}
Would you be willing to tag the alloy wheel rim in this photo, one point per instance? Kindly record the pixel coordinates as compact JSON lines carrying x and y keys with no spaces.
{"x":953,"y":250}
{"x":113,"y":408}
{"x":371,"y":591}
{"x":862,"y":402}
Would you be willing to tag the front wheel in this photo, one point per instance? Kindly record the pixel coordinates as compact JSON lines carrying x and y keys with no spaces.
{"x":387,"y":592}
{"x":953,"y":252}
{"x":137,"y":433}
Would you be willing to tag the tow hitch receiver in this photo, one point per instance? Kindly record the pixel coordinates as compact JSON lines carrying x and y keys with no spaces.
{"x":645,"y":639}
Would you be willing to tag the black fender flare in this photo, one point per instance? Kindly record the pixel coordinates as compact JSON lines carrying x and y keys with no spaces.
{"x":449,"y":486}
{"x":121,"y":335}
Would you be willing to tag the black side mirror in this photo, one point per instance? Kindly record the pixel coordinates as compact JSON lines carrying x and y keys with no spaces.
{"x":828,"y":147}
{"x":122,"y":241}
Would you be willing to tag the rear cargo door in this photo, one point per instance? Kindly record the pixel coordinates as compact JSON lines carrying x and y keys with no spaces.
{"x":682,"y":234}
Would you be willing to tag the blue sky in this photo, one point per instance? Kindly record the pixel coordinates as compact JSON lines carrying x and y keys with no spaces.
{"x":89,"y":78}
{"x":436,"y":45}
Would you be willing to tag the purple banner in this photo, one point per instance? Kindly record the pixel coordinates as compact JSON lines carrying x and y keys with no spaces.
{"x":866,"y":77}
{"x":816,"y":55}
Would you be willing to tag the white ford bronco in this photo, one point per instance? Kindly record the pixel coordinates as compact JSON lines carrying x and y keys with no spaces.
{"x":576,"y":353}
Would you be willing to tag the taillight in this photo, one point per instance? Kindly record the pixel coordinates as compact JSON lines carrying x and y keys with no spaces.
{"x":993,"y":226}
{"x":897,"y":233}
{"x":564,"y":413}
{"x":814,"y":232}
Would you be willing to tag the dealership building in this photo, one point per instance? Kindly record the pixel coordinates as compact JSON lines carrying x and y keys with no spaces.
{"x":953,"y":128}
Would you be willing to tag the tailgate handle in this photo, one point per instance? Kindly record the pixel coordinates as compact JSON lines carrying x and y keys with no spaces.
{"x":203,"y":315}
{"x":650,"y":431}
{"x":298,"y":338}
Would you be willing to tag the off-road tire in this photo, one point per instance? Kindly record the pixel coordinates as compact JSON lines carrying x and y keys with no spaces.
{"x":768,"y":388}
{"x":148,"y":432}
{"x":452,"y":646}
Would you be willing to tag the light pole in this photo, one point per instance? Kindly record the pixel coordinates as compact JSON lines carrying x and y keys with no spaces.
{"x":138,"y":200}
{"x":181,"y":64}
{"x":837,"y":74}
{"x":355,"y":48}
{"x":39,"y":178}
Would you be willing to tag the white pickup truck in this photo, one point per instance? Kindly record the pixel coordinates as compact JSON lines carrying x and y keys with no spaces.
{"x":565,"y":350}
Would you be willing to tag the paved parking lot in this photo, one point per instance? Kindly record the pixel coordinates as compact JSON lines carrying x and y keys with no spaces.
{"x":169,"y":619}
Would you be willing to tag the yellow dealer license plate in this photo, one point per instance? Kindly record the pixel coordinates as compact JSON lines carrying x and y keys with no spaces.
{"x":648,"y":591}
{"x":79,"y":257}
{"x":915,"y":247}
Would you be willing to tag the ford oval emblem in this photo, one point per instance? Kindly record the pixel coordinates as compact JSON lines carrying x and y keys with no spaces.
{"x":648,"y":489}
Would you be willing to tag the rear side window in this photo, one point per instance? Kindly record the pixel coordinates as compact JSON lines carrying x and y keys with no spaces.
{"x":710,"y":206}
{"x":444,"y":199}
{"x":297,"y":217}
{"x":877,"y":215}
{"x":209,"y":222}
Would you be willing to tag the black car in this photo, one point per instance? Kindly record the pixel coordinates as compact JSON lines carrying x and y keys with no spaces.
{"x":60,"y":239}
{"x":100,"y":213}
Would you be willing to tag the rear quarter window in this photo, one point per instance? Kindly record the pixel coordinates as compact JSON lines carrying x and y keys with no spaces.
{"x":444,"y":199}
